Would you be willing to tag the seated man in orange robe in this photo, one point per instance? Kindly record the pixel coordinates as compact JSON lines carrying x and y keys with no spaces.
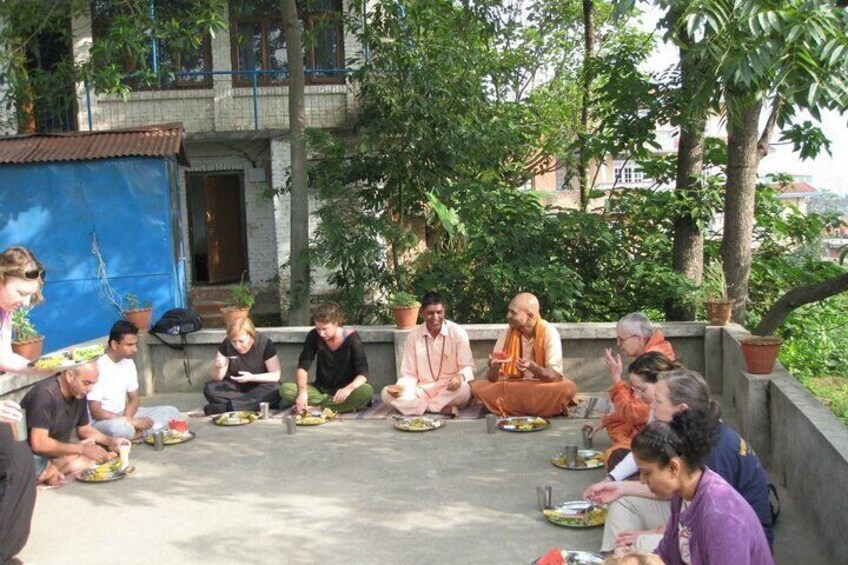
{"x":529,"y":381}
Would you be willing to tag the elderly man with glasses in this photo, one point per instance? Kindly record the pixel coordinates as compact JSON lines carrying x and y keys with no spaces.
{"x":55,"y":408}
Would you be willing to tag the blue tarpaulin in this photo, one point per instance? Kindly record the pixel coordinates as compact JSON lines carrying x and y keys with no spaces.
{"x":96,"y":225}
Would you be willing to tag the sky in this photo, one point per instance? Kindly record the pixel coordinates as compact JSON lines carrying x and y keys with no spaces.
{"x":825,"y":172}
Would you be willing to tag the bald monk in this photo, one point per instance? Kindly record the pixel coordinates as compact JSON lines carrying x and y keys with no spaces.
{"x":529,"y":381}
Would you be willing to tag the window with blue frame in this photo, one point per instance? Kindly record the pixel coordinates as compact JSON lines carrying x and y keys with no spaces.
{"x":172,"y":58}
{"x":259,"y":42}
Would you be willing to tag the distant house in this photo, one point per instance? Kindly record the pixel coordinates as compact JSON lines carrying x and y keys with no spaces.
{"x":101,"y":210}
{"x":797,"y":194}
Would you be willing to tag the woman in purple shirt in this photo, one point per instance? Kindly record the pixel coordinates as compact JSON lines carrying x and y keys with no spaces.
{"x":710,"y":521}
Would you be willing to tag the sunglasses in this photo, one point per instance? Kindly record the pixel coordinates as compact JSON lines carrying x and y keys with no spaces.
{"x":35,"y":274}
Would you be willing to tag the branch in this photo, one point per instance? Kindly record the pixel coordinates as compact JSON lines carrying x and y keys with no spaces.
{"x":768,"y":128}
{"x":798,"y":297}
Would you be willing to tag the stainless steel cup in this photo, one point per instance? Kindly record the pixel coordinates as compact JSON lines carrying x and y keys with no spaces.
{"x":587,"y":437}
{"x":291,"y":426}
{"x":571,"y":455}
{"x":491,"y":423}
{"x":264,"y":410}
{"x":19,"y":428}
{"x":543,"y":497}
{"x":158,"y":441}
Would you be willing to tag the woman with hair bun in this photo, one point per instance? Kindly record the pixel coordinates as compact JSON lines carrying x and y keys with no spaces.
{"x":710,"y":521}
{"x":636,"y":515}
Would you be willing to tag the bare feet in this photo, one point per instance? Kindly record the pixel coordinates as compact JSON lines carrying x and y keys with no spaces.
{"x":451,"y":411}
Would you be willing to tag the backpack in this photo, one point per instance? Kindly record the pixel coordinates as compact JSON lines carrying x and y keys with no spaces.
{"x":178,"y":321}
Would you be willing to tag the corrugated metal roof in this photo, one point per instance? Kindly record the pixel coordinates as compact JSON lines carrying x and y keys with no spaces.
{"x":148,"y":141}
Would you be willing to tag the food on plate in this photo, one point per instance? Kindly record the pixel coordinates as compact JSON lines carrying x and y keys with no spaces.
{"x":171,"y":437}
{"x":87,"y":353}
{"x":178,"y":425}
{"x":235,"y":418}
{"x":418,"y":424}
{"x":314,"y":417}
{"x":523,"y":424}
{"x":577,"y":518}
{"x":54,"y":361}
{"x":501,"y":357}
{"x":102,"y":472}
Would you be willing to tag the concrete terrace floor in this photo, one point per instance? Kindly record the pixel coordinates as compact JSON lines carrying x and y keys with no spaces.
{"x":351,"y":491}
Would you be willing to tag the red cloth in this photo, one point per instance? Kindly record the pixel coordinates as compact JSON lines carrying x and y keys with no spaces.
{"x":553,"y":557}
{"x":659,"y":344}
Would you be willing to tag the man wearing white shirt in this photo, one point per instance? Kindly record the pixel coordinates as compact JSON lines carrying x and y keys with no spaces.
{"x":437,"y":365}
{"x":114,"y":400}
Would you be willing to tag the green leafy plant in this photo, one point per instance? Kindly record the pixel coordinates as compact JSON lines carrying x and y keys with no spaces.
{"x":133,"y":303}
{"x":403,"y":300}
{"x":241,"y":296}
{"x":22,"y":327}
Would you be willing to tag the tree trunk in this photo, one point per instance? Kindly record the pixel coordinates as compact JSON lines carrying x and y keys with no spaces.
{"x":688,"y":243}
{"x":299,"y":283}
{"x":798,"y":297}
{"x":740,"y":190}
{"x":588,"y":53}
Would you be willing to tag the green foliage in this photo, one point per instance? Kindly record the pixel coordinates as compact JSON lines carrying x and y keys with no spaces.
{"x":403,"y":299}
{"x":133,"y":302}
{"x":815,"y":351}
{"x":241,"y":296}
{"x":22,"y":327}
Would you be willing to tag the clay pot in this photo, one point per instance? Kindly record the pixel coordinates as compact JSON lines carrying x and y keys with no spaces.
{"x":29,"y":349}
{"x":231,"y":313}
{"x":760,"y":353}
{"x":406,"y":317}
{"x":140,"y":318}
{"x":719,"y":311}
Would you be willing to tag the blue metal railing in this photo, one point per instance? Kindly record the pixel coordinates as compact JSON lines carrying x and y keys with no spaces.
{"x":255,"y":74}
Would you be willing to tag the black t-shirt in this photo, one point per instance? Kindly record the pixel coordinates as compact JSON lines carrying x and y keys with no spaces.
{"x":336,"y":369}
{"x":253,"y":361}
{"x":46,"y":408}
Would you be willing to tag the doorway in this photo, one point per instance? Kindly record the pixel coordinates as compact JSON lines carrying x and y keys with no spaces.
{"x":216,"y":227}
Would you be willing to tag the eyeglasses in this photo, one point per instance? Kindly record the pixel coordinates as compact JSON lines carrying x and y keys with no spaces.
{"x":34,"y":274}
{"x":619,"y":341}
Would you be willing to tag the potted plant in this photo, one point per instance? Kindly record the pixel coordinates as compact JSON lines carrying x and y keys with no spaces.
{"x":239,"y":303}
{"x":26,"y":341}
{"x":718,"y":305}
{"x":140,"y":315}
{"x":404,"y":309}
{"x":760,"y":352}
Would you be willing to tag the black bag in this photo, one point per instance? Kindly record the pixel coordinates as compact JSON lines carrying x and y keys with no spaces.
{"x":178,"y":321}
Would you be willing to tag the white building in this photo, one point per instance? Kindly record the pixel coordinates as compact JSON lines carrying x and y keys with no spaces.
{"x":236,"y":131}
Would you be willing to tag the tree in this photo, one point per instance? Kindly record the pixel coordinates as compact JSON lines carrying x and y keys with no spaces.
{"x":39,"y":74}
{"x":299,"y":285}
{"x":782,"y":56}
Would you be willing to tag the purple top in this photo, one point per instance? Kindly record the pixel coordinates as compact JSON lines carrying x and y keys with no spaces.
{"x":722,"y":528}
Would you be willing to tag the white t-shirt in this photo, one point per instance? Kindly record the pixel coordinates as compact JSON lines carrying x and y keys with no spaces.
{"x":116,"y":380}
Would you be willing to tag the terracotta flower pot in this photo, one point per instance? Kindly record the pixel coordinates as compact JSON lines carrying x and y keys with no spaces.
{"x":231,"y":313}
{"x":140,"y":318}
{"x":760,"y":353}
{"x":719,"y":311}
{"x":406,"y":317}
{"x":30,"y":349}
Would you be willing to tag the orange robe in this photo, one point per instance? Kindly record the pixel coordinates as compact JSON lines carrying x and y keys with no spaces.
{"x":521,"y":396}
{"x":659,"y":344}
{"x":627,"y":419}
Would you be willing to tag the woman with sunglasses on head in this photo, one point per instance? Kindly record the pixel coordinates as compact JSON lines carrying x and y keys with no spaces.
{"x":710,"y":521}
{"x":21,"y":280}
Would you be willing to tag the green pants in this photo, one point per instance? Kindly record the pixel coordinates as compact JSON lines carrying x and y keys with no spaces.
{"x":358,"y":399}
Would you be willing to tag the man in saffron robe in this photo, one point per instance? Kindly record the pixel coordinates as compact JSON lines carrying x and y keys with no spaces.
{"x":437,"y":365}
{"x":525,"y":371}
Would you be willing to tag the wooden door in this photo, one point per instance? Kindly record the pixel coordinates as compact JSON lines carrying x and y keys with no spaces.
{"x":224,"y":229}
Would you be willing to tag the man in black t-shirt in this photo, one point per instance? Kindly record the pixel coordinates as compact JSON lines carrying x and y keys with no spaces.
{"x":56,"y":407}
